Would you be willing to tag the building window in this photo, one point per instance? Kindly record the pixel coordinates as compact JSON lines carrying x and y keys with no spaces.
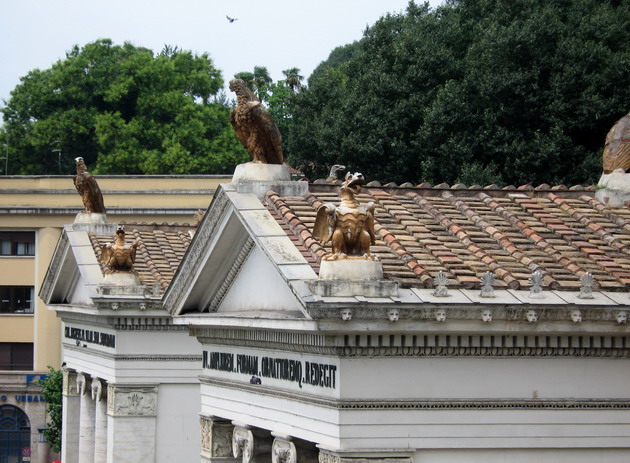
{"x":14,"y":243}
{"x":15,"y":433}
{"x":16,"y":299}
{"x":16,"y":356}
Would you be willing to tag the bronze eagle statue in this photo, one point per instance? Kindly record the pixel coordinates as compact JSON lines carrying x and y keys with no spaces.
{"x":617,"y":148}
{"x":119,"y":256}
{"x":349,"y":226}
{"x":87,"y":187}
{"x":254,"y":126}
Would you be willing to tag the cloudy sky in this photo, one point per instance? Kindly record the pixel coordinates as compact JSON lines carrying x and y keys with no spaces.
{"x":278,"y":34}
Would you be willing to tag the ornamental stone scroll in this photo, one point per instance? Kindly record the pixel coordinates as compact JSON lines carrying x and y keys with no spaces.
{"x":247,"y":444}
{"x":283,"y":450}
{"x":81,"y":383}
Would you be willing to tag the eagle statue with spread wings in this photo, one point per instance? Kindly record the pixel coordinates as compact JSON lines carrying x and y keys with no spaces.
{"x":349,"y":226}
{"x":86,"y":185}
{"x":254,"y":126}
{"x":119,"y":257}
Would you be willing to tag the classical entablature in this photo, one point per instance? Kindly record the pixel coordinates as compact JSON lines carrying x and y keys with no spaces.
{"x":490,"y":305}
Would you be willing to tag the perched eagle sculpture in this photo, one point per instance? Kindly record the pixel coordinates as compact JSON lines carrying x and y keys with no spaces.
{"x":87,"y":187}
{"x":617,"y":148}
{"x":119,"y":256}
{"x":349,"y":226}
{"x":254,"y":126}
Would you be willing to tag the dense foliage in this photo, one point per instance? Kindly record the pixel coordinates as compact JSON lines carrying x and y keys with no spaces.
{"x":475,"y":91}
{"x":51,"y":390}
{"x":123,"y":109}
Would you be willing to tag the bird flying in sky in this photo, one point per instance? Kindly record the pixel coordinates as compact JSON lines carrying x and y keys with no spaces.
{"x":230,"y":19}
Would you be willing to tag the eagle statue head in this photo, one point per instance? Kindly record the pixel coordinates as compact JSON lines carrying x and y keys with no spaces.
{"x":81,"y":167}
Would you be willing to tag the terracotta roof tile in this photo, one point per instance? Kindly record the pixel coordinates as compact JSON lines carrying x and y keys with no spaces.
{"x":159,"y":253}
{"x":562,"y":232}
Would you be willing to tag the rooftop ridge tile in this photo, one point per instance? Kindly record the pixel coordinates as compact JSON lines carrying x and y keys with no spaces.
{"x":607,"y":212}
{"x":585,"y":220}
{"x":295,"y":224}
{"x":499,"y":237}
{"x":527,"y":231}
{"x":542,"y":214}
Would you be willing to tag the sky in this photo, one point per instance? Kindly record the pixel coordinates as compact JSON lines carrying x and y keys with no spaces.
{"x":278,"y":34}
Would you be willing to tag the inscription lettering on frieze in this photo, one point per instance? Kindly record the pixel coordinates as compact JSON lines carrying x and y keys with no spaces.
{"x":298,"y":371}
{"x":90,"y":336}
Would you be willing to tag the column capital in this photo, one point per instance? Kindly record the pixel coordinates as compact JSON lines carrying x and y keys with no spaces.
{"x":249,"y":442}
{"x":216,"y":439}
{"x":69,"y":382}
{"x":282,"y":449}
{"x":136,"y":400}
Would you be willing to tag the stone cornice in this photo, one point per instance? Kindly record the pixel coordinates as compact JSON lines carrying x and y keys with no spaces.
{"x":59,"y":255}
{"x":184,"y":277}
{"x":424,"y":344}
{"x":231,"y":275}
{"x":437,"y":404}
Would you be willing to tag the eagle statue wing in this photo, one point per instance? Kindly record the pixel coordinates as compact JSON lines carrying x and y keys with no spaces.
{"x":239,"y":129}
{"x":324,"y":223}
{"x":106,"y":254}
{"x":269,"y":135}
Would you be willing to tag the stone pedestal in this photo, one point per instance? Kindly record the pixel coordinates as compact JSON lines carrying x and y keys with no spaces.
{"x":614,"y":188}
{"x":90,"y":218}
{"x":121,"y":279}
{"x":258,"y":178}
{"x":352,"y":277}
{"x":70,"y":418}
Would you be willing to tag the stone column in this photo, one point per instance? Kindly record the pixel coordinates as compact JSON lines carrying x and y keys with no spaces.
{"x":250,"y":443}
{"x":86,"y":420}
{"x":131,"y":423}
{"x":70,"y":418}
{"x":100,"y":421}
{"x":216,"y":440}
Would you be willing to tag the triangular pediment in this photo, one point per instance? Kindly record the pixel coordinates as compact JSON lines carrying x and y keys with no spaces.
{"x":74,"y":273}
{"x":240,"y":263}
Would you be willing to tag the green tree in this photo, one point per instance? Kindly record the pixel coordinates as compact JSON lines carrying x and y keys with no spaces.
{"x":51,"y":391}
{"x":125,"y":111}
{"x":293,"y":79}
{"x":475,"y":90}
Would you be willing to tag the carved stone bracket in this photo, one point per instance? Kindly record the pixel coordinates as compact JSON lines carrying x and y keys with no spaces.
{"x":216,"y":438}
{"x":131,"y":400}
{"x":283,"y":450}
{"x":69,"y":382}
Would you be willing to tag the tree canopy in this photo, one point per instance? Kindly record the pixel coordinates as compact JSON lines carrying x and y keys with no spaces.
{"x":125,"y":110}
{"x":475,"y":91}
